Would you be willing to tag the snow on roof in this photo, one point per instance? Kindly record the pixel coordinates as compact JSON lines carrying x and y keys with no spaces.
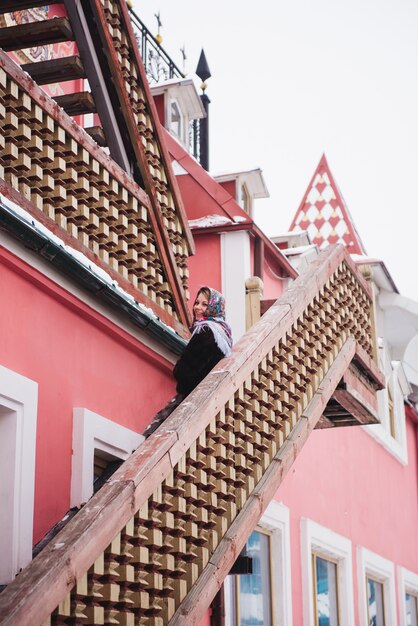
{"x":299,"y":250}
{"x":78,"y":256}
{"x":324,"y":214}
{"x":210,"y":220}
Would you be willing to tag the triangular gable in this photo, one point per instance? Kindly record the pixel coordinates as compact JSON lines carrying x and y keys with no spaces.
{"x":324,"y":214}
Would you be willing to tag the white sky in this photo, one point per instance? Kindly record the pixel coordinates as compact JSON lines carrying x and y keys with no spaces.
{"x":291,"y":80}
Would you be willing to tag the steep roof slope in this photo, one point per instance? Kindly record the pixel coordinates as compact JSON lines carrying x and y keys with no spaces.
{"x":210,"y":207}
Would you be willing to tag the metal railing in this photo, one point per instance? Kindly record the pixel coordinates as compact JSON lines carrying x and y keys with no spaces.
{"x":159,"y":66}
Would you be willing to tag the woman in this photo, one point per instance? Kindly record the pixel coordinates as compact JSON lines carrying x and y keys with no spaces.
{"x":210,"y":342}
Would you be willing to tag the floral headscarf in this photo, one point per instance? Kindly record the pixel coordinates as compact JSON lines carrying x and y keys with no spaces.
{"x":215,"y":320}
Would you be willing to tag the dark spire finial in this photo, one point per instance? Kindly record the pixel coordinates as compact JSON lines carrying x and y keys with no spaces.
{"x":202,"y":69}
{"x":183,"y":54}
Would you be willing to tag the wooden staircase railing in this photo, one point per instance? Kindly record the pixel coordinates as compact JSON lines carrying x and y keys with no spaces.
{"x":154,"y":545}
{"x":106,"y":54}
{"x":50,"y":167}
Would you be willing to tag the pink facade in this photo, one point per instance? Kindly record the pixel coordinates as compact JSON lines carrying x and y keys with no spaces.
{"x":348,"y":483}
{"x":81,"y":354}
{"x":79,"y":359}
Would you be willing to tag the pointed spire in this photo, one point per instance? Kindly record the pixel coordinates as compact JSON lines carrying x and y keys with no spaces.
{"x":324,"y":214}
{"x":203,"y":70}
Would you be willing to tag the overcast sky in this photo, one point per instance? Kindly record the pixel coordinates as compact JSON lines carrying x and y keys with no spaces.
{"x":291,"y":80}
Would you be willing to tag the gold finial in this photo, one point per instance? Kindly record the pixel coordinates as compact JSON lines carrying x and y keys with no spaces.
{"x":203,"y":87}
{"x":158,"y":36}
{"x":130,"y":4}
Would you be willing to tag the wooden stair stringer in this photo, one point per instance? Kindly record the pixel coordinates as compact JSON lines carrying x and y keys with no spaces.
{"x":145,"y":493}
{"x":201,"y":595}
{"x":145,"y":133}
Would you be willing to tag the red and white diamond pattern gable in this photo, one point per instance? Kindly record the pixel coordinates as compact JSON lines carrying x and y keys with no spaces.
{"x":324,"y":214}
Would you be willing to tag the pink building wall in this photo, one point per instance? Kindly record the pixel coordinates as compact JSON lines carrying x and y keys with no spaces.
{"x":273,"y":287}
{"x":205,"y":265}
{"x":349,"y":483}
{"x":79,"y":359}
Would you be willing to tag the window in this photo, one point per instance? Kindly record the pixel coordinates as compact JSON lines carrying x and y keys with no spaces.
{"x":391,"y":432}
{"x":411,"y":605}
{"x":376,"y":589}
{"x":97,"y":442}
{"x":263,"y":598}
{"x":104,"y":465}
{"x":327,"y":581}
{"x":375,"y":606}
{"x":18,"y":417}
{"x":392,"y":414}
{"x":245,"y":199}
{"x":325,"y":591}
{"x":252,"y":592}
{"x":176,"y":126}
{"x":408,"y":597}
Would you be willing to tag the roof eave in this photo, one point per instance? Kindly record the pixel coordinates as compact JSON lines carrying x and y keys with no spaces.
{"x":86,"y":278}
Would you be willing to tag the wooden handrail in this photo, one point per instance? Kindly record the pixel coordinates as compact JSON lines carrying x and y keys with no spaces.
{"x":49,"y":164}
{"x":140,"y":545}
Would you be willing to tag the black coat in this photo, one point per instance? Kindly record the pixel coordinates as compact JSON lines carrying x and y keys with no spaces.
{"x":199,"y":357}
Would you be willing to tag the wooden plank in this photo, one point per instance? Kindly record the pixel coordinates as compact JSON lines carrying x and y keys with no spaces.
{"x":355,"y":405}
{"x":97,"y":133}
{"x":195,"y":604}
{"x":370,"y":368}
{"x":76,"y":103}
{"x":55,"y":70}
{"x":53,"y":227}
{"x":156,"y":218}
{"x":52,"y":574}
{"x":85,"y":44}
{"x":78,"y":133}
{"x":158,"y":129}
{"x":265,"y":305}
{"x":7,"y":6}
{"x":35,"y":34}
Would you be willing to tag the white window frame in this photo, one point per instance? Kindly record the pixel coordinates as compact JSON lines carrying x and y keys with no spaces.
{"x":184,"y":122}
{"x":372,"y":565}
{"x":327,"y":544}
{"x":396,"y":380}
{"x":18,"y":420}
{"x":276,"y":520}
{"x":93,"y":432}
{"x":235,"y":245}
{"x":407,"y":583}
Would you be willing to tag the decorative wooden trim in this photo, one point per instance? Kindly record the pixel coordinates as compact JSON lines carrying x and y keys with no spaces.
{"x":157,"y":127}
{"x":156,"y":217}
{"x":179,"y":490}
{"x":70,"y":126}
{"x":16,"y":197}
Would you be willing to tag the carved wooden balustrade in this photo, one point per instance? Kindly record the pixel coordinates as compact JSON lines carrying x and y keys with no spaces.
{"x":52,"y":168}
{"x":154,"y":545}
{"x":141,"y":117}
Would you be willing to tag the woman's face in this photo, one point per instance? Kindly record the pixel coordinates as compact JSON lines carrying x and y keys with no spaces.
{"x":200,"y":306}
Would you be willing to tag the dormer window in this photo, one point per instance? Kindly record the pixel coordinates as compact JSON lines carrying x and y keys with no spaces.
{"x":178,"y":104}
{"x":176,"y":125}
{"x":245,"y":203}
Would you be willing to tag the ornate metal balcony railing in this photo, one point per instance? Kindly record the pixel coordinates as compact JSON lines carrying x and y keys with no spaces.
{"x":62,"y":173}
{"x":159,"y":66}
{"x":153,"y":546}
